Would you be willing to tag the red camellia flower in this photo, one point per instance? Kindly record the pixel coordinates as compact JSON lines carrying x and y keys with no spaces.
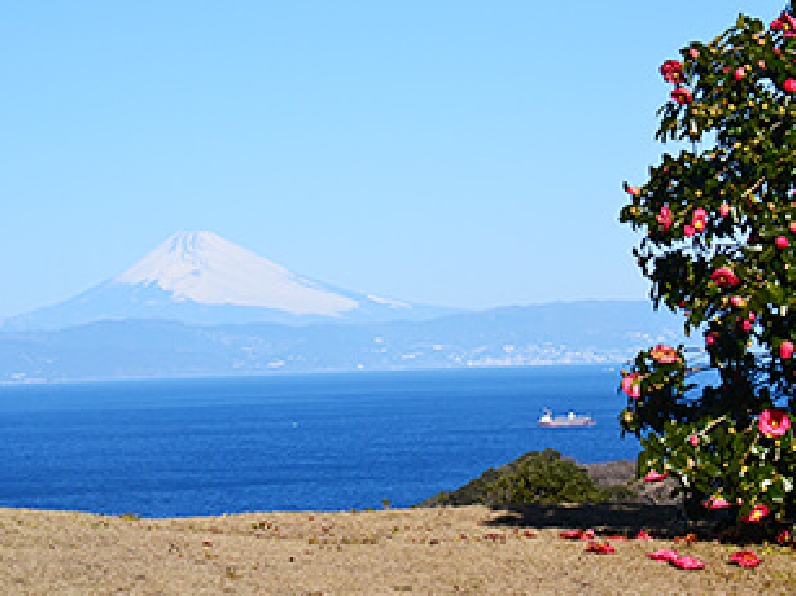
{"x":631,"y":385}
{"x":601,"y":548}
{"x":694,"y":53}
{"x":717,"y":503}
{"x":757,"y":513}
{"x":793,"y":227}
{"x":786,"y":350}
{"x":643,"y":535}
{"x":664,"y":555}
{"x":632,"y":190}
{"x":783,"y":537}
{"x":577,"y":534}
{"x":724,"y":209}
{"x":740,"y":73}
{"x":664,"y":354}
{"x":711,"y":338}
{"x":687,"y":563}
{"x":724,"y":277}
{"x":694,"y":440}
{"x":683,"y":96}
{"x":782,"y":242}
{"x":654,"y":476}
{"x":783,"y":22}
{"x":745,"y":558}
{"x":672,"y":71}
{"x":773,"y":422}
{"x":789,"y":85}
{"x":699,"y":219}
{"x":664,"y":217}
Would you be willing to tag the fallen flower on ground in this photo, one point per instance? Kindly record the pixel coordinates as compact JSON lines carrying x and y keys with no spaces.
{"x":688,"y":563}
{"x":687,"y":539}
{"x":601,"y":548}
{"x":745,"y":558}
{"x":664,"y":555}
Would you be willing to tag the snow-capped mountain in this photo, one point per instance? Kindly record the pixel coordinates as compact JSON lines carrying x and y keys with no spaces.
{"x":201,"y":278}
{"x":204,"y":268}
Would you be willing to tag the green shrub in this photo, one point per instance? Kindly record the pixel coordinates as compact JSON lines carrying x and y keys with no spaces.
{"x":536,"y":477}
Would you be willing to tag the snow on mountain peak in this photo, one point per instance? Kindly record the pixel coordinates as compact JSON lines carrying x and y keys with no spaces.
{"x":388,"y":302}
{"x":205,"y":268}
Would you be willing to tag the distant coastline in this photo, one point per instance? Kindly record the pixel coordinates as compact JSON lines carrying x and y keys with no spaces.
{"x":584,"y":333}
{"x":25,"y":381}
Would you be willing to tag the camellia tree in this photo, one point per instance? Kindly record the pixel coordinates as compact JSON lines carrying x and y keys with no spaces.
{"x":720,"y":246}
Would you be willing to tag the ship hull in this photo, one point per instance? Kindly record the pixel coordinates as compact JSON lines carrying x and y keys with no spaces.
{"x":566,"y":423}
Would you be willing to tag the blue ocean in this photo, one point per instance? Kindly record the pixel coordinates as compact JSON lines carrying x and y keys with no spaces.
{"x":192,"y":447}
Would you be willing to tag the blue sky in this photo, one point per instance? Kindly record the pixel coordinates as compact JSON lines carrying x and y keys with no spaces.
{"x":457,"y":153}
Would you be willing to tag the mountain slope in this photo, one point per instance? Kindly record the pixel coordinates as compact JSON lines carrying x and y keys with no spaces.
{"x":200,"y":278}
{"x":206,"y":269}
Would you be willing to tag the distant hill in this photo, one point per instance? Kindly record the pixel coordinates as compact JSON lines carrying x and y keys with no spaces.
{"x":559,"y":333}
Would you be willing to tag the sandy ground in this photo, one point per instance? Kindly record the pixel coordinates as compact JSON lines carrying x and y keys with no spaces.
{"x":427,"y":551}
